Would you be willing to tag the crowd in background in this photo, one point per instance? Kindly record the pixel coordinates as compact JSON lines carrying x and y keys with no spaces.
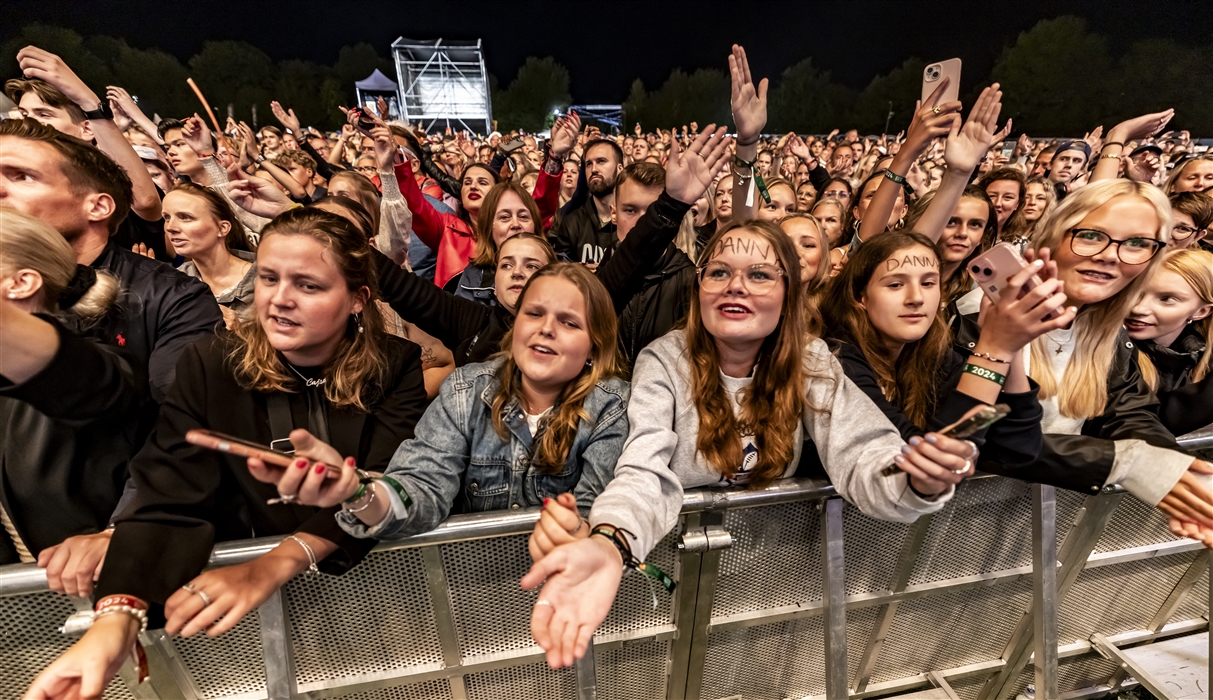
{"x":419,"y":323}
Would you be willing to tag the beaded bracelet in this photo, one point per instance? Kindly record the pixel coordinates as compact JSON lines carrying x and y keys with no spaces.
{"x":987,"y":374}
{"x":991,"y":358}
{"x":614,"y":536}
{"x":138,"y":614}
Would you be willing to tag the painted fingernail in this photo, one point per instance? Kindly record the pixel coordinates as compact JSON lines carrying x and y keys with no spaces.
{"x":545,"y":501}
{"x":905,"y":449}
{"x":899,"y":459}
{"x":319,"y":468}
{"x":301,"y":463}
{"x":915,"y":440}
{"x":1038,"y":263}
{"x":349,"y":461}
{"x":932,"y":438}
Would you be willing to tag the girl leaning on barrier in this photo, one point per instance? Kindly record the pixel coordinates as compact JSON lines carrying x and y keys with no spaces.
{"x":730,"y":400}
{"x":1171,"y":322}
{"x":311,"y":363}
{"x":1101,"y":426}
{"x":545,"y":417}
{"x":71,"y":410}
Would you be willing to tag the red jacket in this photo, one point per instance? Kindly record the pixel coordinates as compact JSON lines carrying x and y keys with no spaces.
{"x":446,"y":234}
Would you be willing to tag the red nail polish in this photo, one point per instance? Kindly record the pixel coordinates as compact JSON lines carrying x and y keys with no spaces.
{"x":319,"y":468}
{"x":301,"y":463}
{"x":545,"y":501}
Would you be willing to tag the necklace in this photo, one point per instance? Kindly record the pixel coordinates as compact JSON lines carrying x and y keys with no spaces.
{"x":307,"y":382}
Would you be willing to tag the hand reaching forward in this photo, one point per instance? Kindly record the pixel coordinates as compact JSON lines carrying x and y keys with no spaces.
{"x":749,"y":102}
{"x":559,"y":523}
{"x":967,"y":145}
{"x":197,"y":136}
{"x":582,"y":579}
{"x":1189,"y":505}
{"x":1141,"y":127}
{"x":259,"y":197}
{"x":688,"y":173}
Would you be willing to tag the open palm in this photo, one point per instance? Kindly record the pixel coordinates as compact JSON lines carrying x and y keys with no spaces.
{"x":967,"y":145}
{"x":582,"y":579}
{"x":688,"y":173}
{"x":749,"y":102}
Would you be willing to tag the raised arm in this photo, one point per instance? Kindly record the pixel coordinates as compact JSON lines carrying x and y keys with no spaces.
{"x":122,"y":103}
{"x":749,"y":104}
{"x":965,"y":148}
{"x":1107,"y":165}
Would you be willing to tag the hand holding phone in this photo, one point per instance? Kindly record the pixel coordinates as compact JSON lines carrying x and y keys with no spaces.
{"x":993,"y":269}
{"x":229,"y":444}
{"x":936,"y":72}
{"x":977,"y":420}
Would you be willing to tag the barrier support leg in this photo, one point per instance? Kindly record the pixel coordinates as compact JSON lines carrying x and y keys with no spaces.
{"x":276,"y":649}
{"x":834,"y":600}
{"x":587,"y":674}
{"x":685,"y":597}
{"x":1044,"y":589}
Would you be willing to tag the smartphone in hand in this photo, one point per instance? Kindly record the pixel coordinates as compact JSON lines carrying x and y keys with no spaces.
{"x":977,"y":420}
{"x":221,"y":442}
{"x":932,"y":74}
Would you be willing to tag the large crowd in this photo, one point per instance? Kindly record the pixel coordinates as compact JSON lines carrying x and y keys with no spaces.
{"x":422,"y":324}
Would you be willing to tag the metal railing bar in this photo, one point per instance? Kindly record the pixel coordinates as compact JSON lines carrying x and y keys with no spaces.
{"x":920,"y":680}
{"x":685,"y":597}
{"x":1144,"y":677}
{"x":1133,"y":637}
{"x":276,"y":652}
{"x":709,"y":575}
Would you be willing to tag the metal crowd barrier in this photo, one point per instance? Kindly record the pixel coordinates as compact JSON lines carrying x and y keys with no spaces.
{"x":784,"y":592}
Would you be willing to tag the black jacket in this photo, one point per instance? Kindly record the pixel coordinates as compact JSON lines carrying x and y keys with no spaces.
{"x":188,"y":498}
{"x":582,"y":237}
{"x":1083,"y":462}
{"x":66,"y":436}
{"x":473,"y":331}
{"x":662,"y":303}
{"x":158,"y":313}
{"x":1015,"y":440}
{"x":1184,"y":405}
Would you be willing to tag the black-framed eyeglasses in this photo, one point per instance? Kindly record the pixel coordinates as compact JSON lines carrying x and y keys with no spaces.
{"x":1089,"y":242}
{"x":1182,"y":232}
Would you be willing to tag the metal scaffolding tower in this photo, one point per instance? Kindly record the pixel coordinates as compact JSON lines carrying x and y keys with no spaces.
{"x":443,"y":82}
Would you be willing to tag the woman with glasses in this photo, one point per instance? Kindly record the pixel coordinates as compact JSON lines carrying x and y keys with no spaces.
{"x":731,"y":399}
{"x":1193,"y":214}
{"x":1100,"y":422}
{"x":1171,"y":322}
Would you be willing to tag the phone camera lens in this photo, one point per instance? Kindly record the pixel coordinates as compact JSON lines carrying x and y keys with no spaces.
{"x":987,"y":272}
{"x":976,"y":269}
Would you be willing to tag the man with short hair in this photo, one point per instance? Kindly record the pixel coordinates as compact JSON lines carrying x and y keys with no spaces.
{"x":586,"y":234}
{"x":270,"y":138}
{"x":640,"y":150}
{"x":85,"y":195}
{"x":1067,"y":163}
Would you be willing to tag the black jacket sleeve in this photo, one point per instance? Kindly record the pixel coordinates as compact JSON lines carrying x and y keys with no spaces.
{"x":452,"y":320}
{"x":324,"y":168}
{"x":448,"y":184}
{"x":639,"y":254}
{"x":190,"y":314}
{"x":819,"y":177}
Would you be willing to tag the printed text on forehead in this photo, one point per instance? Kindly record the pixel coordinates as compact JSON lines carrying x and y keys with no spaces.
{"x":910,"y":261}
{"x":749,"y":246}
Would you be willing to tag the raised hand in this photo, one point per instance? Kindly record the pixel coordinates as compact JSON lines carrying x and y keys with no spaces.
{"x":197,"y":136}
{"x":44,"y":65}
{"x":258,"y":197}
{"x":381,"y":107}
{"x":287,"y":118}
{"x":1094,"y":138}
{"x":748,"y":101}
{"x":1143,"y":168}
{"x":1023,"y":146}
{"x":800,"y":149}
{"x":386,"y":150}
{"x":1140,"y":127}
{"x":564,"y":134}
{"x":1018,"y":317}
{"x":688,"y":173}
{"x":930,"y":121}
{"x":967,"y":145}
{"x":248,"y":139}
{"x":582,"y":579}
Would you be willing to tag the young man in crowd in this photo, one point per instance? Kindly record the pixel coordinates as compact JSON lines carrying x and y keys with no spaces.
{"x":181,"y":156}
{"x":587,"y":234}
{"x":300,"y":169}
{"x":270,"y":138}
{"x":1067,"y":163}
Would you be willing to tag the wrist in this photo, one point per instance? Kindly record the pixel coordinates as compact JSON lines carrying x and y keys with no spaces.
{"x":283,"y":562}
{"x":606,"y":545}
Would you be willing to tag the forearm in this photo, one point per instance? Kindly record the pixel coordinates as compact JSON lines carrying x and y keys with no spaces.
{"x":935,"y":218}
{"x":875,"y":220}
{"x":145,"y":200}
{"x":1108,"y":168}
{"x":296,"y":190}
{"x":27,"y":345}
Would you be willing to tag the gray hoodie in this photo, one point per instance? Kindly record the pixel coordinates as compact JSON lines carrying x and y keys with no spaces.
{"x":660,"y":458}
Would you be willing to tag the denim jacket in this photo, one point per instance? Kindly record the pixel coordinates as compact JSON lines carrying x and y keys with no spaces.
{"x":458,"y":460}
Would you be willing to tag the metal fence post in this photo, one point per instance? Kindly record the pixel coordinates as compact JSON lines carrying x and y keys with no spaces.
{"x":276,"y":648}
{"x":587,"y":674}
{"x":834,"y":600}
{"x":1044,"y":589}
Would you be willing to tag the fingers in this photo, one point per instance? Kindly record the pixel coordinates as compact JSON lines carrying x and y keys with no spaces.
{"x":1201,"y":467}
{"x":568,"y":642}
{"x":936,"y":94}
{"x":541,"y":621}
{"x":542,"y":569}
{"x":292,"y":478}
{"x":54,"y":568}
{"x":309,"y":489}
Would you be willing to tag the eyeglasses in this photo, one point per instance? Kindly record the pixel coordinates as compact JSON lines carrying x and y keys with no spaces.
{"x":367,"y":169}
{"x":1131,"y":251}
{"x":1183,"y":232}
{"x":758,"y":279}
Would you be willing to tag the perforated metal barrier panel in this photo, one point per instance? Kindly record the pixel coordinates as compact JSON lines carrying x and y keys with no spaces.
{"x":948,"y":600}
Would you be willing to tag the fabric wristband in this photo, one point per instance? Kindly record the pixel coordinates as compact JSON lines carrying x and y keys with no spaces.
{"x":987,"y":374}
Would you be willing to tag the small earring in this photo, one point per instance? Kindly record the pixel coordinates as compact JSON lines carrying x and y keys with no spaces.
{"x":13,"y":295}
{"x":357,"y":320}
{"x":590,"y":362}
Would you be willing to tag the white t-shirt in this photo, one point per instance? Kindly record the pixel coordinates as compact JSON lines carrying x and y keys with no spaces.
{"x":749,"y":450}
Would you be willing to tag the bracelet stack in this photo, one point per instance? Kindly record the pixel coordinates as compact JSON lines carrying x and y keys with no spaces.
{"x":615,"y":535}
{"x":312,"y":569}
{"x":125,"y":605}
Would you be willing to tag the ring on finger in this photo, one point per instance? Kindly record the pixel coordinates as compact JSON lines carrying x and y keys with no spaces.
{"x":972,"y":450}
{"x":541,"y":601}
{"x":206,"y":599}
{"x":968,"y":465}
{"x":936,"y":110}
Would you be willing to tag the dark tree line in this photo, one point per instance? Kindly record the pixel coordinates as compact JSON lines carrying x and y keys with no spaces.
{"x":1058,"y":78}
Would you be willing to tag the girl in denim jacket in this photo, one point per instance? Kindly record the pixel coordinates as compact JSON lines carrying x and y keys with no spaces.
{"x":547,"y":416}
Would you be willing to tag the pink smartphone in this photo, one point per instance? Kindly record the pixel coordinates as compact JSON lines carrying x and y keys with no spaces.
{"x":932,"y":74}
{"x":244,"y":448}
{"x":994,"y":267}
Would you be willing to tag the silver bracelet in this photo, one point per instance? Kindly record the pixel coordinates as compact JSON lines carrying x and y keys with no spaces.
{"x":311,"y":555}
{"x":369,"y":487}
{"x":991,"y":358}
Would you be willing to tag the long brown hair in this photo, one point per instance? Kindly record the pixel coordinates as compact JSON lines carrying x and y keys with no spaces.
{"x":358,"y":369}
{"x":910,"y":381}
{"x":961,"y":282}
{"x":773,"y":403}
{"x":555,"y":439}
{"x":237,"y":237}
{"x":368,"y":196}
{"x":1016,"y":226}
{"x":486,"y":248}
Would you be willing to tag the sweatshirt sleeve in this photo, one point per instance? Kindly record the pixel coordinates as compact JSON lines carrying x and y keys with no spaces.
{"x":645,"y":496}
{"x":856,"y":442}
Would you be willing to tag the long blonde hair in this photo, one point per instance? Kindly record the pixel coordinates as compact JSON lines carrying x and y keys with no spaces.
{"x":356,"y":372}
{"x":1196,"y":268}
{"x":551,"y":449}
{"x":27,"y":243}
{"x":1082,"y":391}
{"x":1178,"y":172}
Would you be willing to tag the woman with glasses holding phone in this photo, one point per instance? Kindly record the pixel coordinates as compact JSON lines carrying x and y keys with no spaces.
{"x":730,"y":399}
{"x":1101,"y":426}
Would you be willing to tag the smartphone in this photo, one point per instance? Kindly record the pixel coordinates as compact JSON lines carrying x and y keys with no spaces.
{"x":1008,"y":148}
{"x":364,"y":125}
{"x":511,"y":145}
{"x":965,"y":428}
{"x":932,"y":74}
{"x":244,"y":448}
{"x":993,"y":268}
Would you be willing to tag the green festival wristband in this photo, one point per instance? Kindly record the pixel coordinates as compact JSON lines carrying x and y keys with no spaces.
{"x":987,"y":374}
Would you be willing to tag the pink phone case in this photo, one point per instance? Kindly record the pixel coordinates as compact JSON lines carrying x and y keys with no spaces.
{"x":994,"y":267}
{"x":932,"y":74}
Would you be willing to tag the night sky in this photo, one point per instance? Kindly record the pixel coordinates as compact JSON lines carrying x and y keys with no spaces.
{"x":605,"y":45}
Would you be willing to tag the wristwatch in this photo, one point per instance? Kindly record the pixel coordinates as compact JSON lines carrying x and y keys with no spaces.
{"x":259,"y":159}
{"x":102,"y":111}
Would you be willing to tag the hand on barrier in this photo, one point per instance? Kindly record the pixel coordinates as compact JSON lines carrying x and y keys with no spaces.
{"x":559,"y":523}
{"x":582,"y":579}
{"x":217,"y":599}
{"x":83,"y":671}
{"x":314,"y":477}
{"x":1189,"y":505}
{"x":73,"y":566}
{"x":935,"y":463}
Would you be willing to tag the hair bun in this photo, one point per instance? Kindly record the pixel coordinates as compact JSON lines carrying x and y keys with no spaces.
{"x":81,"y":282}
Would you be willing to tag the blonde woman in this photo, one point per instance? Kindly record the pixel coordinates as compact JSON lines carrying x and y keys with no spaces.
{"x":1100,"y":423}
{"x":1171,"y":322}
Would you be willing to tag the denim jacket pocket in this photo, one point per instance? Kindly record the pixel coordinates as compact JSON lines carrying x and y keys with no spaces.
{"x":487,"y":486}
{"x":546,"y":485}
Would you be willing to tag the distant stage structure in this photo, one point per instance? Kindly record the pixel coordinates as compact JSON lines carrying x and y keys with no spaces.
{"x":443,"y":82}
